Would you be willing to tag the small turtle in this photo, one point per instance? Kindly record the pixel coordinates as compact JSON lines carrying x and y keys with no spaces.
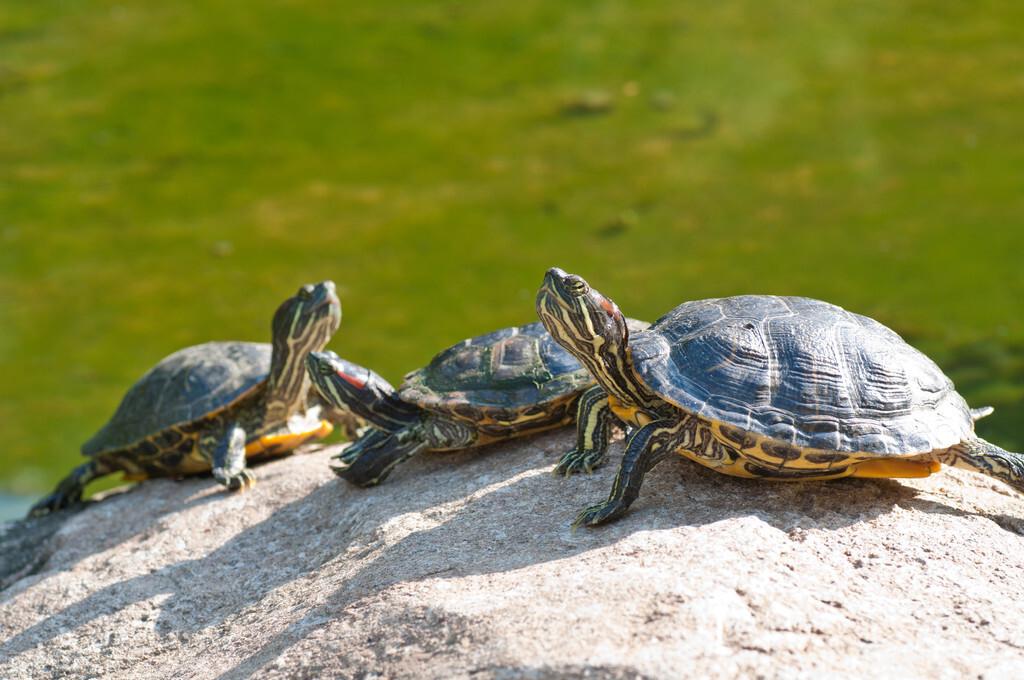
{"x":760,"y":386}
{"x":509,"y":383}
{"x":212,"y":405}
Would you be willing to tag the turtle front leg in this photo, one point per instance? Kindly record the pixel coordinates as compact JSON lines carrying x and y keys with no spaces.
{"x":648,"y":446}
{"x":377,"y":453}
{"x":594,"y":418}
{"x":370,"y":438}
{"x":69,"y":490}
{"x":988,"y":459}
{"x":343,"y":418}
{"x":228,"y":458}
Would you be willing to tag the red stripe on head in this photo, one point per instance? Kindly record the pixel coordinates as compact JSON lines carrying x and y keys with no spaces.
{"x":609,"y":306}
{"x":351,"y":380}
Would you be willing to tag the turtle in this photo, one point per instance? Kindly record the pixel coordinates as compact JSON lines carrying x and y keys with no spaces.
{"x":759,"y":386}
{"x":509,"y":383}
{"x":210,"y":406}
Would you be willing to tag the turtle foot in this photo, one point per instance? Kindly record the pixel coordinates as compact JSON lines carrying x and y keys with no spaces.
{"x":341,"y":463}
{"x":345,"y":458}
{"x":240,"y":481}
{"x":354,"y":477}
{"x":579,"y":461}
{"x":598,"y":514}
{"x":53,"y":503}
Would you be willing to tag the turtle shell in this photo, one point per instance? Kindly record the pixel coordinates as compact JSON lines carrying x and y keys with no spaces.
{"x":801,"y":371}
{"x":499,"y":374}
{"x":506,"y":370}
{"x":186,"y":386}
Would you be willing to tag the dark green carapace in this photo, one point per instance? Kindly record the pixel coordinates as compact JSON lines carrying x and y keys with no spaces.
{"x":209,"y":407}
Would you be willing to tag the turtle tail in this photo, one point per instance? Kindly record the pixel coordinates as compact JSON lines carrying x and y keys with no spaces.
{"x":981,"y":456}
{"x":69,"y":490}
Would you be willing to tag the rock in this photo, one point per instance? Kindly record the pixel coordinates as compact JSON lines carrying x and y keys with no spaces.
{"x":25,"y":544}
{"x":464,"y":565}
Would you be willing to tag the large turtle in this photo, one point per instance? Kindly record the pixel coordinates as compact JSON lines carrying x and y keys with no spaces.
{"x":211,"y":406}
{"x":509,"y":383}
{"x":760,"y":386}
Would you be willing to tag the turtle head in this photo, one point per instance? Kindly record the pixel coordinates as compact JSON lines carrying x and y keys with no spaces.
{"x":581,"y":319}
{"x":356,"y":388}
{"x":302,"y":324}
{"x":591,"y":327}
{"x":309,"y":317}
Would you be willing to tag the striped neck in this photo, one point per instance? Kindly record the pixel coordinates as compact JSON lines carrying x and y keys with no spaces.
{"x":288,"y":384}
{"x":592,"y":328}
{"x":612,"y":368}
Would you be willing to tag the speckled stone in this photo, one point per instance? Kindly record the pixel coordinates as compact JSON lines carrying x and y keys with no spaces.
{"x":464,"y":566}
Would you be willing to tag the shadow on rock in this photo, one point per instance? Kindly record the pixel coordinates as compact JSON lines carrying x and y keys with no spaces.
{"x":25,"y":545}
{"x":293,"y":542}
{"x":526,"y":522}
{"x":444,"y":516}
{"x":114,"y":509}
{"x":36,"y":538}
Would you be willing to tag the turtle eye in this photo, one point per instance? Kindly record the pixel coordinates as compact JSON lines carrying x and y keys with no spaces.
{"x":574,"y":285}
{"x":325,"y":368}
{"x":306,"y":292}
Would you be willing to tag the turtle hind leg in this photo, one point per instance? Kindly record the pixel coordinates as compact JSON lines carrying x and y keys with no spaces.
{"x":69,"y":490}
{"x":981,"y":456}
{"x":372,"y":457}
{"x":594,"y":420}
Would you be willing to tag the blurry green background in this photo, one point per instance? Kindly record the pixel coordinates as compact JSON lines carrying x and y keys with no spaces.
{"x":169,"y":172}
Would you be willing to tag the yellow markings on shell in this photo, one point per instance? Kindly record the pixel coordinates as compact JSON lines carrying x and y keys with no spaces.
{"x":895,"y":468}
{"x":287,"y":441}
{"x":853,"y":465}
{"x":191,"y":464}
{"x":735,"y":469}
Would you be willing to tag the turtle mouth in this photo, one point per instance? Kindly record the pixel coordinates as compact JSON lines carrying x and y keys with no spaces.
{"x":325,"y":294}
{"x":333,"y":305}
{"x":325,"y":297}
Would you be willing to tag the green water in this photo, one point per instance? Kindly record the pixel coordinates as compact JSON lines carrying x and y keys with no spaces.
{"x":13,"y":507}
{"x":170,"y":171}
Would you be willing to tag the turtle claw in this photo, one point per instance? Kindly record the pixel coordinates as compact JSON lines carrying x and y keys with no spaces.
{"x":596,"y":514}
{"x":579,"y":461}
{"x":345,"y":458}
{"x":240,"y":481}
{"x":343,"y":461}
{"x":53,"y":503}
{"x":340,"y":469}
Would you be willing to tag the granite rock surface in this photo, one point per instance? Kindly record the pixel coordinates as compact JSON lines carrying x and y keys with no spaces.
{"x":464,"y":566}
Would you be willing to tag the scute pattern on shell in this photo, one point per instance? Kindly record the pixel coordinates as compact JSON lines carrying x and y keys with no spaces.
{"x":185,"y":386}
{"x":804,"y":372}
{"x":506,"y":370}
